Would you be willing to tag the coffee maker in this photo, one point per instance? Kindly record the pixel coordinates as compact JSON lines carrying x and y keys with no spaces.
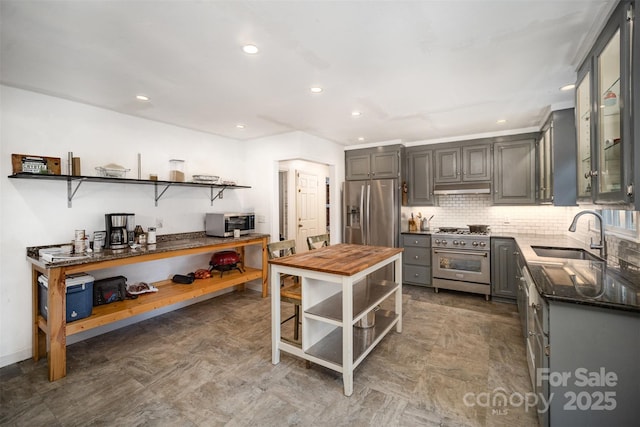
{"x":120,"y":228}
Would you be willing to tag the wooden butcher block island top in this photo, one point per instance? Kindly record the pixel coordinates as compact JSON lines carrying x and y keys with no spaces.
{"x":342,"y":259}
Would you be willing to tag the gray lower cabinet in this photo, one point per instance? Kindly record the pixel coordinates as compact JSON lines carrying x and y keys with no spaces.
{"x":504,"y":269}
{"x":419,"y":169}
{"x":583,"y":361}
{"x":522,"y":292}
{"x":416,"y":259}
{"x":514,"y":172}
{"x":587,"y":365}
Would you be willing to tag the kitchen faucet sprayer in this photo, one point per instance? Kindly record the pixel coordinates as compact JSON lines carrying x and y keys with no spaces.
{"x":603,"y":244}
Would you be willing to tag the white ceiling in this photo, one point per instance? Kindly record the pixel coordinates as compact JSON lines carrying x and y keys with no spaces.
{"x":417,"y":70}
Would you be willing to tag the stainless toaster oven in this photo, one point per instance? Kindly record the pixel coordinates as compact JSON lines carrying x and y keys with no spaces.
{"x":223,"y":224}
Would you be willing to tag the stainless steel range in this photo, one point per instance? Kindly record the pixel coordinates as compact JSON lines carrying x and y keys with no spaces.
{"x":461,"y":261}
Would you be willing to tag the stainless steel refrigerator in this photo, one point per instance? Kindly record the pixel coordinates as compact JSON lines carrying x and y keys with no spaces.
{"x":371,"y":214}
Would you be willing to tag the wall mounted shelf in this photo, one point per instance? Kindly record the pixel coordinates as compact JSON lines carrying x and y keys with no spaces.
{"x":160,"y":187}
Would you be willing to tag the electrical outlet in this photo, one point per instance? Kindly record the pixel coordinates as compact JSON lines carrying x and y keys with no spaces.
{"x":260,"y":218}
{"x":506,"y":220}
{"x":159,"y":222}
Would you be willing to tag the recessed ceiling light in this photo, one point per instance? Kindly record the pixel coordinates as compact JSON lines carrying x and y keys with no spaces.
{"x":142,"y":98}
{"x":501,"y":121}
{"x":567,"y":87}
{"x":356,"y":113}
{"x":240,"y":126}
{"x":361,"y":138}
{"x":316,"y":89}
{"x":250,"y":49}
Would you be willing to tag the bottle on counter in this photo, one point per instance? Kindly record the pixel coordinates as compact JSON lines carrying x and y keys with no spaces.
{"x":151,"y":236}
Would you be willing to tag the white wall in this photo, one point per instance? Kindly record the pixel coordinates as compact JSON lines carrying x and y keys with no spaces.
{"x":264,"y":156}
{"x":35,"y":213}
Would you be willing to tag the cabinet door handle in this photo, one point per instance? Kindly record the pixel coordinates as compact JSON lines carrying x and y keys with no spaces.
{"x":417,"y":257}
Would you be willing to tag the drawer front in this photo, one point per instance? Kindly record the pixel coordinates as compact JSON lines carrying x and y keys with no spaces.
{"x":417,"y":256}
{"x":416,"y":274}
{"x":420,"y":240}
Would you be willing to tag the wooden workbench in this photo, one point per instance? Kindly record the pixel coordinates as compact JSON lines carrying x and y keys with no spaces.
{"x":51,"y":333}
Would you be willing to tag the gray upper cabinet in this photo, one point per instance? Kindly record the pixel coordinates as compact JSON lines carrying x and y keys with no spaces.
{"x":556,"y":160}
{"x":447,"y":165}
{"x":373,"y":163}
{"x":476,"y":162}
{"x":358,"y":166}
{"x":514,"y":172}
{"x":419,"y":169}
{"x":544,"y":167}
{"x":606,"y":98}
{"x":463,"y":163}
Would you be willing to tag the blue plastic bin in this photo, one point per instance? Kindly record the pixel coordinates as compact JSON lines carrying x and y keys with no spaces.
{"x":79,"y":296}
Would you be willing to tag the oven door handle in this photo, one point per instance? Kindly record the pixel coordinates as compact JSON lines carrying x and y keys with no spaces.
{"x":482,"y":254}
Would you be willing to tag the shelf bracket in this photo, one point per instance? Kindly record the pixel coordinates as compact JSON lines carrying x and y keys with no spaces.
{"x":71,"y":192}
{"x":158,"y":196}
{"x":217,"y":196}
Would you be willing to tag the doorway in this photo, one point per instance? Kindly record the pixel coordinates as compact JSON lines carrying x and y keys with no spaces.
{"x":304,"y":189}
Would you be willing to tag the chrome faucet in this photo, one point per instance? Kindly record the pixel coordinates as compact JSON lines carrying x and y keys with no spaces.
{"x":603,"y":244}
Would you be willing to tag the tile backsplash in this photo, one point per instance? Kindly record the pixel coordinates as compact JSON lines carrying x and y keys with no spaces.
{"x":464,"y":209}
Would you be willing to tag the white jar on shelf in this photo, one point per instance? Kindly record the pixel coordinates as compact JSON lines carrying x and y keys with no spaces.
{"x":176,"y":170}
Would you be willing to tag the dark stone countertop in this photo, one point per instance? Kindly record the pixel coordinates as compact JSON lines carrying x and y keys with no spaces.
{"x":165,"y":243}
{"x":597,"y":283}
{"x":602,"y":285}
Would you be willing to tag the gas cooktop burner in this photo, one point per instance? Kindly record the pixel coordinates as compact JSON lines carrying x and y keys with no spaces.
{"x":461,"y":231}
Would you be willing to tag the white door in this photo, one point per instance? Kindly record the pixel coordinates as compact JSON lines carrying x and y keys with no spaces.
{"x":307,"y":209}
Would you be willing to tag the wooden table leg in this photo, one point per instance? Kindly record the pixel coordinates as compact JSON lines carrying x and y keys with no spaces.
{"x":39,"y":338}
{"x":275,"y":317}
{"x":56,"y":321}
{"x":265,"y":269}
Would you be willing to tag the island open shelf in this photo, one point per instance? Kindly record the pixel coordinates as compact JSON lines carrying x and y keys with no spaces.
{"x":364,"y":340}
{"x":366,"y":296}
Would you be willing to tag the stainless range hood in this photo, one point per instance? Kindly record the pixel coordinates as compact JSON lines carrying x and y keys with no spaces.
{"x":463,"y":188}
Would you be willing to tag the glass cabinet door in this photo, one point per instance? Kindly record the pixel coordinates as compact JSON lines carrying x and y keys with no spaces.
{"x":545,"y":167}
{"x":608,"y":139}
{"x":583,"y":129}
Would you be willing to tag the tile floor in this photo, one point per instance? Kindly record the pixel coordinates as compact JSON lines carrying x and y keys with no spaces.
{"x":210,"y":365}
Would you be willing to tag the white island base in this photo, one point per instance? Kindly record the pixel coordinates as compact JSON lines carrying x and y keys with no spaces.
{"x":334,"y":289}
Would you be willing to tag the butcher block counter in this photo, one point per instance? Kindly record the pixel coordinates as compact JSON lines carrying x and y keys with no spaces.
{"x":337,"y":295}
{"x":50,"y":334}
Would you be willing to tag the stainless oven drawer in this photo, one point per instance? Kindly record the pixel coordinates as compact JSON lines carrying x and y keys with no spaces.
{"x":416,"y":275}
{"x":413,"y":255}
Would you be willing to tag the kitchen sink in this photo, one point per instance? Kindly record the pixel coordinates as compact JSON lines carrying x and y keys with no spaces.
{"x":566,"y":253}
